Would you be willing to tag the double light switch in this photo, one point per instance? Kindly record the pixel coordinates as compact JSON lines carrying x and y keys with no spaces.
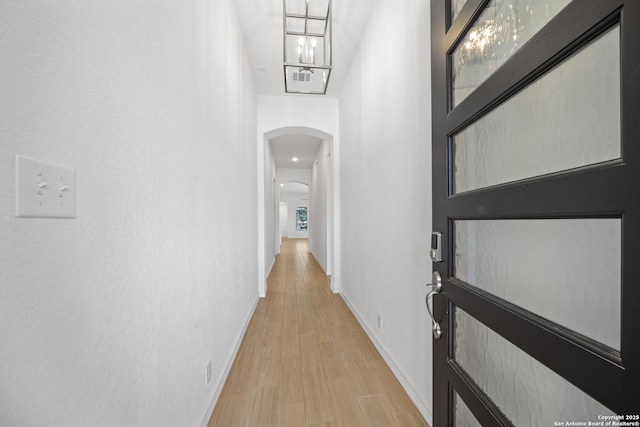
{"x":44,"y":190}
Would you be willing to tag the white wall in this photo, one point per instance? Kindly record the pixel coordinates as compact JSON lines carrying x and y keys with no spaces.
{"x":279,"y":115}
{"x":284,"y":220}
{"x":318,"y":223}
{"x":109,"y":319}
{"x":385,"y":168}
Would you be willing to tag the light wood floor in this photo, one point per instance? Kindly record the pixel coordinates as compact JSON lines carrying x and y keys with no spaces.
{"x":305,"y":360}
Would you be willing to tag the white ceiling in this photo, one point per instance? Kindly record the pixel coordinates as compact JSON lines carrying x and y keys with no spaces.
{"x":304,"y":147}
{"x":261,"y":23}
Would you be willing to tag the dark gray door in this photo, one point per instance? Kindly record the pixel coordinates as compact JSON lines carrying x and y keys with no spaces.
{"x":536,"y":174}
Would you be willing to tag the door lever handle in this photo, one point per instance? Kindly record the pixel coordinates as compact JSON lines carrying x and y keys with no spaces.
{"x":436,"y":287}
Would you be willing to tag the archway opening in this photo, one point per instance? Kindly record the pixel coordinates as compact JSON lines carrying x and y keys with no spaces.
{"x":299,"y":156}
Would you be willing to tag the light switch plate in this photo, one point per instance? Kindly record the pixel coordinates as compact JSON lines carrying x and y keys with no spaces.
{"x":44,"y":190}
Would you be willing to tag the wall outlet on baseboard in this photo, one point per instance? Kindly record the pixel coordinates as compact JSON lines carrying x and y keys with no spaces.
{"x":379,"y":322}
{"x":208,"y":373}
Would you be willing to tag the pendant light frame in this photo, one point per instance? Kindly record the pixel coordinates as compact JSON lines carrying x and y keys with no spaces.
{"x":307,"y":46}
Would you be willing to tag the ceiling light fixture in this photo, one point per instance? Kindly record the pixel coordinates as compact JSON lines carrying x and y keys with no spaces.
{"x":307,"y":46}
{"x":295,"y":159}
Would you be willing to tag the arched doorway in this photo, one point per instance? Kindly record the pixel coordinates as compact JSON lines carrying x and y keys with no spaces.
{"x":322,"y":207}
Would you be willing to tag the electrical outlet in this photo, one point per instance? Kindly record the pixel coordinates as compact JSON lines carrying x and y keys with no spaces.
{"x":379,"y":322}
{"x":208,"y":372}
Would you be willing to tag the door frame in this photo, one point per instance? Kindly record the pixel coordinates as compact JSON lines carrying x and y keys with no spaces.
{"x":603,"y":191}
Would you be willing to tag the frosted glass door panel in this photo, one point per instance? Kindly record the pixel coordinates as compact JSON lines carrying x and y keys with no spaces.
{"x":527,"y":392}
{"x":567,"y":119}
{"x":500,"y":30}
{"x":463,"y":417}
{"x":456,"y":7}
{"x":567,"y":271}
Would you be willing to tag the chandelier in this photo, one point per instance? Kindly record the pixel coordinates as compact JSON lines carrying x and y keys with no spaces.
{"x":307,"y":46}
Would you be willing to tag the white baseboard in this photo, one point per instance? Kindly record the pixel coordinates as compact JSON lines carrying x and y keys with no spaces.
{"x":334,"y":290}
{"x":422,"y":406}
{"x":225,"y":374}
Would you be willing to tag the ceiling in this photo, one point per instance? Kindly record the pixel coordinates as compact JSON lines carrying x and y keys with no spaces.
{"x":303,"y":147}
{"x":261,"y":24}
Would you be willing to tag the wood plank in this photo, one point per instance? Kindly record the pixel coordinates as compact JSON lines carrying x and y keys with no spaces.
{"x":292,"y":414}
{"x":393,"y":389}
{"x":343,"y":339}
{"x":305,"y":324}
{"x":411,"y":419}
{"x":317,"y":400}
{"x":290,"y":341}
{"x":377,"y":411}
{"x":310,"y":351}
{"x":362,"y":377}
{"x":265,"y":409}
{"x":365,"y":345}
{"x":270,"y":366}
{"x":332,"y":361}
{"x":292,"y":390}
{"x":228,"y":411}
{"x":347,"y":407}
{"x":323,"y":329}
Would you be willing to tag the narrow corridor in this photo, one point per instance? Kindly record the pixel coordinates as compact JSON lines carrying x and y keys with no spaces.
{"x":305,"y":360}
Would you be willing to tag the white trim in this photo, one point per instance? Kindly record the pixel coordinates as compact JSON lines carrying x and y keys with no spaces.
{"x":334,"y":289}
{"x":223,"y":379}
{"x":262,"y":283}
{"x":423,"y":407}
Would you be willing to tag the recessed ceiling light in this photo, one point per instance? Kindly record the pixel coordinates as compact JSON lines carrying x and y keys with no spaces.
{"x":281,"y":185}
{"x":295,"y":159}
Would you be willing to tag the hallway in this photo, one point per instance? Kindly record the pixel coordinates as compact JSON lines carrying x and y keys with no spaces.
{"x":305,"y":360}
